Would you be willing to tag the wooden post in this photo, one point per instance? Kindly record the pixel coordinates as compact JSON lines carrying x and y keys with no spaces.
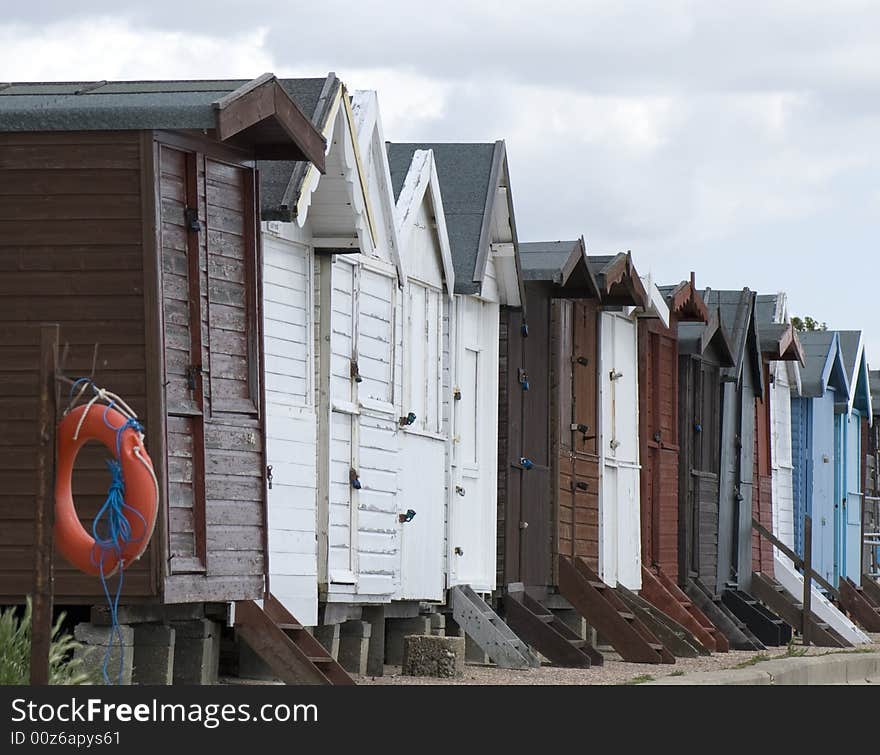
{"x":808,"y":577}
{"x":44,"y":510}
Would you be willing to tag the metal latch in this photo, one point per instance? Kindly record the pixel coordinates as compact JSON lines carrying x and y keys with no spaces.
{"x":269,"y":475}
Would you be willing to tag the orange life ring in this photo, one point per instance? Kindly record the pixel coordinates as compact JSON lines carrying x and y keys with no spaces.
{"x":141,"y":494}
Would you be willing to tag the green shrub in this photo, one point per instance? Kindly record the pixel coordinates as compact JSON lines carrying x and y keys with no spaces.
{"x":15,"y":651}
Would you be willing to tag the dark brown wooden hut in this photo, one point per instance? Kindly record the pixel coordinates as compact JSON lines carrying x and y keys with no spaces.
{"x":129,"y":214}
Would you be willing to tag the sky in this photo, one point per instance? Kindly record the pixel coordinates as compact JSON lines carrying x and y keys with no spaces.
{"x":739,"y":140}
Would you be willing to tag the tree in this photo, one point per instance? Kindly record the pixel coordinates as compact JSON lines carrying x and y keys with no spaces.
{"x":808,"y":324}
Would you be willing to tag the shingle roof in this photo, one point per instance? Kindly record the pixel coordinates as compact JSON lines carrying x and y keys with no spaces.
{"x":145,"y":105}
{"x":765,"y":309}
{"x":465,"y":171}
{"x":849,"y":349}
{"x":127,"y":105}
{"x":736,"y":310}
{"x":874,"y":379}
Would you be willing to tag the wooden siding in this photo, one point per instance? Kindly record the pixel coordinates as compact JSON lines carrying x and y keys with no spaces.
{"x":659,"y":445}
{"x":71,"y":251}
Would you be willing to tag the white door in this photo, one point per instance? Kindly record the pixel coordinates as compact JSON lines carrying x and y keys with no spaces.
{"x":343,"y":481}
{"x":290,"y":425}
{"x":619,"y":520}
{"x":422,"y":482}
{"x":473,"y":496}
{"x":377,"y":539}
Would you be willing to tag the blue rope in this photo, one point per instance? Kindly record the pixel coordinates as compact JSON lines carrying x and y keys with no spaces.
{"x":112,"y":519}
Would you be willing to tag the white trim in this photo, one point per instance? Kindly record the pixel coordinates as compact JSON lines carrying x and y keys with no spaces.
{"x":420,"y":178}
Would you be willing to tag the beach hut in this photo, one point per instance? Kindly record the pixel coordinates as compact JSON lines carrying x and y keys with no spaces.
{"x":823,"y":384}
{"x":742,"y":386}
{"x":153,"y":256}
{"x":659,"y":430}
{"x":424,"y":436}
{"x":538,"y":420}
{"x":619,"y":552}
{"x":850,"y":416}
{"x":784,"y":379}
{"x":478,"y":210}
{"x":871,"y":508}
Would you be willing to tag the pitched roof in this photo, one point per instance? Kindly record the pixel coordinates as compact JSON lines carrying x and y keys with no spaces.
{"x":269,"y":111}
{"x":469,"y":175}
{"x":619,"y":282}
{"x":736,"y":311}
{"x":685,"y":302}
{"x":823,"y":364}
{"x":563,"y":263}
{"x":874,"y":378}
{"x":281,"y":181}
{"x":852,"y":349}
{"x":696,"y":337}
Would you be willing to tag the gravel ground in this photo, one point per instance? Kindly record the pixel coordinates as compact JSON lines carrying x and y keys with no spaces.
{"x":614,"y":671}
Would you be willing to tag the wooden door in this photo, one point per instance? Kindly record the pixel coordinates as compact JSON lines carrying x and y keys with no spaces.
{"x":578,"y":483}
{"x":620,"y":525}
{"x":659,"y":445}
{"x":213,"y":365}
{"x":852,"y":500}
{"x":745,"y":494}
{"x":762,"y":492}
{"x":528,"y":519}
{"x":699,"y":429}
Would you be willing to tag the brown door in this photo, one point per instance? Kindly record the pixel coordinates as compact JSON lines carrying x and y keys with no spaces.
{"x":658,"y":391}
{"x":212,"y":365}
{"x":578,"y":518}
{"x":528,"y":529}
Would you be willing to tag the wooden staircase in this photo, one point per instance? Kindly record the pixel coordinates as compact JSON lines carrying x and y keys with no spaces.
{"x":542,"y":630}
{"x":608,"y":614}
{"x":663,"y":593}
{"x":791,"y":610}
{"x":283,"y":643}
{"x":871,"y":590}
{"x":739,"y":636}
{"x":678,"y":640}
{"x":761,"y":621}
{"x":860,"y":609}
{"x":488,"y":630}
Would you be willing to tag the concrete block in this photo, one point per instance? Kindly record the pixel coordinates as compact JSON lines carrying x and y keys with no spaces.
{"x":153,"y":654}
{"x":376,"y":652}
{"x":438,"y":624}
{"x":328,"y":636}
{"x":354,"y":646}
{"x":94,"y":642}
{"x":428,"y":655}
{"x":398,"y":629}
{"x":196,"y":652}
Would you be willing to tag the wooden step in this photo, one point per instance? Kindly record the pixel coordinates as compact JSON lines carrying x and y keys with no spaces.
{"x":736,"y":634}
{"x":722,"y":645}
{"x":679,"y":641}
{"x":762,"y":622}
{"x":605,"y":611}
{"x":654,"y":591}
{"x":489,"y":631}
{"x":300,"y":661}
{"x":857,"y":606}
{"x":871,"y":590}
{"x":528,"y":619}
{"x":790,"y":609}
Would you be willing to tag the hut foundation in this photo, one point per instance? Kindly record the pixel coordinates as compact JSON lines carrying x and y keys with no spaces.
{"x":153,"y":655}
{"x":196,"y":652}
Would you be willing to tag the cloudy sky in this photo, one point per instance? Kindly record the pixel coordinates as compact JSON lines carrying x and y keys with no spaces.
{"x":738,"y":140}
